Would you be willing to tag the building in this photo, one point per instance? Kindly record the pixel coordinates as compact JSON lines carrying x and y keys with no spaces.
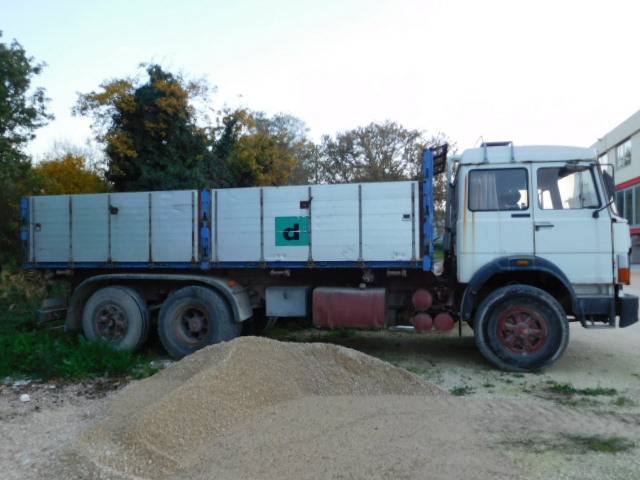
{"x":621,"y":147}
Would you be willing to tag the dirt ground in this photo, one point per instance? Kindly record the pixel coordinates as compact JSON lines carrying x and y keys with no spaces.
{"x":578,"y":420}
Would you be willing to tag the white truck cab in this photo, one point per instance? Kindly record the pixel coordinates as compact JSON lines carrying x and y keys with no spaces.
{"x":542,"y":217}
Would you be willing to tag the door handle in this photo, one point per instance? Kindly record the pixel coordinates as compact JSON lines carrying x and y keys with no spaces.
{"x":543,"y":225}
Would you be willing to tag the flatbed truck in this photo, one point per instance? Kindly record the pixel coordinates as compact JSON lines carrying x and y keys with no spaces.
{"x":532,"y":241}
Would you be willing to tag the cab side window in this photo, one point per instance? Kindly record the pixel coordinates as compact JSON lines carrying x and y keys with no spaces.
{"x":566,"y":188}
{"x":501,"y":189}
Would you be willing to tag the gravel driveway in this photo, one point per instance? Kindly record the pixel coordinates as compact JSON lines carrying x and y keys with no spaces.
{"x":555,"y":425}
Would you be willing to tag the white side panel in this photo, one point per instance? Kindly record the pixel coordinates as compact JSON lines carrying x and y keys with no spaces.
{"x":388,"y":221}
{"x":282,"y":203}
{"x":334,"y":223}
{"x":174,"y":226}
{"x":51,"y":228}
{"x":90,"y":228}
{"x":130,"y":227}
{"x":237,"y":237}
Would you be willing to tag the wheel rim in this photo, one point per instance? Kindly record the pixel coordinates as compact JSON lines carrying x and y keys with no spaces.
{"x":111,"y":322}
{"x":191,"y":325}
{"x":522,"y":330}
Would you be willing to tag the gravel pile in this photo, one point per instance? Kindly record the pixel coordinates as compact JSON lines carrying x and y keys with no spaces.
{"x":163,"y":426}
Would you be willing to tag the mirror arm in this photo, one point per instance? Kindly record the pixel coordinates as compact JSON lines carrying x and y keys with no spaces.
{"x":596,"y":213}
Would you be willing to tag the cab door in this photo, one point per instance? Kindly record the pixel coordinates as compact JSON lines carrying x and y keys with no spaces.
{"x":567,"y":233}
{"x":496,"y":219}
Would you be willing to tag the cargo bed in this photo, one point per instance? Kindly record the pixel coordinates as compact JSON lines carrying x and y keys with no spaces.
{"x":383,"y":224}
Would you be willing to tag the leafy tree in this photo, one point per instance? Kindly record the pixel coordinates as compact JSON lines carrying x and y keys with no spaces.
{"x":377,"y":152}
{"x":150,"y":130}
{"x":22,"y":111}
{"x":69,"y":173}
{"x":260,"y":150}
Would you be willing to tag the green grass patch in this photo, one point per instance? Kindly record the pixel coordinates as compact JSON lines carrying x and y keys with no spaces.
{"x":571,"y":444}
{"x":578,"y":402}
{"x":568,"y":389}
{"x":46,"y":354}
{"x":342,"y":333}
{"x":27,"y":351}
{"x":461,"y":391}
{"x":601,"y":444}
{"x":624,"y":402}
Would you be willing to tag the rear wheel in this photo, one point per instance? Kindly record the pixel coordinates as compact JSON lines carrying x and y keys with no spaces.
{"x":193,"y":317}
{"x":521,"y":328}
{"x":117,"y":315}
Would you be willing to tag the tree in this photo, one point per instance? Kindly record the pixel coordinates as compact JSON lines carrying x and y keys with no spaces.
{"x":22,"y":111}
{"x":150,"y":131}
{"x":69,"y":173}
{"x":260,"y":150}
{"x":378,"y":152}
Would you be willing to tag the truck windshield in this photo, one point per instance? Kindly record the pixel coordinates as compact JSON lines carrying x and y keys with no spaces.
{"x":562,"y":188}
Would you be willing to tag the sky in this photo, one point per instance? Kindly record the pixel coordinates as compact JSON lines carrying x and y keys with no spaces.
{"x":535,"y":72}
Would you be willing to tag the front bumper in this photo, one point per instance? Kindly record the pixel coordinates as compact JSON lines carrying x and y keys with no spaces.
{"x":627,"y":309}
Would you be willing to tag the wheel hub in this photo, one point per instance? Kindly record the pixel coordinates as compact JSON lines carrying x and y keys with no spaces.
{"x":522,"y":330}
{"x":111,"y":322}
{"x":193,"y":325}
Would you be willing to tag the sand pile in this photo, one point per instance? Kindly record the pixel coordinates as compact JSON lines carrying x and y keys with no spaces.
{"x":165,"y":425}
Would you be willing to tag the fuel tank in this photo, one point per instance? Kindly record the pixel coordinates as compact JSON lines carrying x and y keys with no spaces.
{"x":349,"y":308}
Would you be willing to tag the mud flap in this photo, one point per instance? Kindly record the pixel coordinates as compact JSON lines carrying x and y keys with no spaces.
{"x":627,"y":309}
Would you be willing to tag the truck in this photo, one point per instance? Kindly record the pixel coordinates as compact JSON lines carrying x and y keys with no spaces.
{"x":532,"y":242}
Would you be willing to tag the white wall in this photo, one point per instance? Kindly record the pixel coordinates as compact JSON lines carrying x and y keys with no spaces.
{"x":608,"y":143}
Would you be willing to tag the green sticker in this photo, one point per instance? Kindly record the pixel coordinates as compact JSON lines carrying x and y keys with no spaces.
{"x":292,"y":231}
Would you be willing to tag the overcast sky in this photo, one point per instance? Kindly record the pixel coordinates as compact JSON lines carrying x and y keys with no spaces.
{"x":541,"y":71}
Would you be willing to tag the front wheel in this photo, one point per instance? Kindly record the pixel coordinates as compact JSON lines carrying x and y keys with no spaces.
{"x":521,"y":328}
{"x":193,"y":317}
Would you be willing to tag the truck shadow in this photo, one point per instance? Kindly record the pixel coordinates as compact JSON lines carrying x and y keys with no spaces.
{"x":423,"y":351}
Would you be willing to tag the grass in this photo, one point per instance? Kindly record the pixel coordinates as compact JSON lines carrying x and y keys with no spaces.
{"x":45,"y":355}
{"x":624,"y":402}
{"x":600,"y":444}
{"x":573,"y":444}
{"x":568,"y":389}
{"x":27,"y":351}
{"x":416,"y":370}
{"x":461,"y":391}
{"x":579,"y":402}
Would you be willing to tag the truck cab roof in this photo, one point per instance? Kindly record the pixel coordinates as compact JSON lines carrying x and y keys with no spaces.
{"x":506,"y":152}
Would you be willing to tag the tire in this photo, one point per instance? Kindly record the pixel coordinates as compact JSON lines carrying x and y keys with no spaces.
{"x":194,"y":317}
{"x":521,"y":328}
{"x":117,"y":315}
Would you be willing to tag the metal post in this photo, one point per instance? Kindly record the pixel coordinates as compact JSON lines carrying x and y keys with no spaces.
{"x":310,"y":258}
{"x":71,"y":230}
{"x":360,"y":259}
{"x":262,"y":226}
{"x":150,"y":230}
{"x":413,"y":222}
